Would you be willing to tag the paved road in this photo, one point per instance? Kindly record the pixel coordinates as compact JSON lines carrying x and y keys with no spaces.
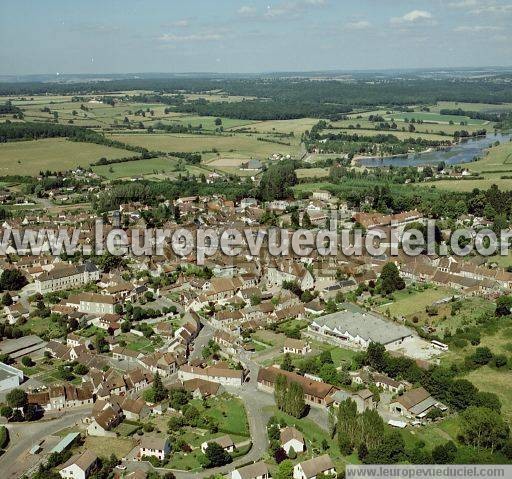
{"x":24,"y":435}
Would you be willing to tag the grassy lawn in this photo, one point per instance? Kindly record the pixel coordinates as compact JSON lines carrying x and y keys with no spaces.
{"x":56,"y":154}
{"x":433,"y":434}
{"x":229,"y":413}
{"x":410,"y":301}
{"x":185,"y":462}
{"x":137,"y":343}
{"x":496,"y":381}
{"x":269,"y":337}
{"x":105,"y":446}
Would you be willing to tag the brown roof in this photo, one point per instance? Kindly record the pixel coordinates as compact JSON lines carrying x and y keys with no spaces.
{"x":413,"y":397}
{"x":313,"y":388}
{"x":252,"y":471}
{"x":289,"y":433}
{"x":84,"y":461}
{"x":317,"y":465}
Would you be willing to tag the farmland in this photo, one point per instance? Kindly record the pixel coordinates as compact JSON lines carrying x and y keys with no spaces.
{"x":55,"y":154}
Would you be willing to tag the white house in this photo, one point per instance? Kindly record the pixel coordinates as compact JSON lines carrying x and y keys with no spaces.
{"x":154,"y":446}
{"x":313,"y":468}
{"x":296,"y":346}
{"x":258,"y":470}
{"x":224,"y":441}
{"x":79,"y":466}
{"x":291,"y":438}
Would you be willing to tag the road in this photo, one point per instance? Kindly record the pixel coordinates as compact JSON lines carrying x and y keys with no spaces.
{"x":24,"y":435}
{"x":257,"y":405}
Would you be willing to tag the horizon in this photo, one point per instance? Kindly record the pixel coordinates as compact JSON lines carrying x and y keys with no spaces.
{"x":253,"y":37}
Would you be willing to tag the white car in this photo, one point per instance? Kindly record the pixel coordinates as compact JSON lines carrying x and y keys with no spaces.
{"x":121,"y":467}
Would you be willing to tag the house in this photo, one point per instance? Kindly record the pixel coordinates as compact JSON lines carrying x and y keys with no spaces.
{"x":415,"y":403}
{"x":296,"y":346}
{"x":93,"y":303}
{"x":201,"y":388}
{"x":66,"y":277}
{"x":316,"y":393}
{"x":384,"y":382}
{"x":154,"y":446}
{"x":79,"y":466}
{"x":291,"y":438}
{"x":14,"y":312}
{"x":314,"y":468}
{"x":224,"y":441}
{"x":259,"y":470}
{"x":106,"y":416}
{"x":222,"y":375}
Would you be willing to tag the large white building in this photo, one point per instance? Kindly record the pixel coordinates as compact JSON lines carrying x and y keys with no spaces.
{"x":10,"y":377}
{"x":66,"y":277}
{"x":358,"y":328}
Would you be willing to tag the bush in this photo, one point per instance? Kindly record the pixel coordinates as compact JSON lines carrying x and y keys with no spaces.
{"x":4,"y":437}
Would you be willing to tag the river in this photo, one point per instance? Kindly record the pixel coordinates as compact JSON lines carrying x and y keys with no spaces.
{"x":463,"y":152}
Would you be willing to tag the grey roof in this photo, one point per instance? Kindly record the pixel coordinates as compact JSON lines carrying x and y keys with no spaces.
{"x":65,"y":442}
{"x":366,"y":325}
{"x":10,"y":346}
{"x":253,"y":470}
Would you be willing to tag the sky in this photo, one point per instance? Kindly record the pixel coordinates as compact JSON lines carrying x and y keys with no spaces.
{"x":228,"y":36}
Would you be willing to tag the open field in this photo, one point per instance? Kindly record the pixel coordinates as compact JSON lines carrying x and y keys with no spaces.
{"x":401,"y":135}
{"x":55,"y":154}
{"x":312,"y":172}
{"x":154,"y":167}
{"x":495,"y":381}
{"x":297,"y":127}
{"x":243,"y":145}
{"x":409,"y":302}
{"x":429,"y":117}
{"x":484,"y":107}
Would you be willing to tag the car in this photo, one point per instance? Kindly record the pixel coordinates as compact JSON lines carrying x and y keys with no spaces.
{"x":121,"y":467}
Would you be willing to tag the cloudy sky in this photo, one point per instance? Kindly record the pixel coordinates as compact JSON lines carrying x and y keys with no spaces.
{"x":102,"y":36}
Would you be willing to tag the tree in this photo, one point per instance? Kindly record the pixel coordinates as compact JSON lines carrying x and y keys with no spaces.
{"x":12,"y":280}
{"x":482,"y":356}
{"x":390,"y":451}
{"x":285,"y":470}
{"x":376,"y":356}
{"x":287,"y":365}
{"x":16,"y":398}
{"x":295,"y":404}
{"x":371,"y":428}
{"x":444,"y":453}
{"x":280,"y":389}
{"x":348,"y":427}
{"x":482,"y":427}
{"x":390,"y":279}
{"x":160,"y":391}
{"x":503,"y":305}
{"x":218,"y":121}
{"x":27,"y":361}
{"x":216,"y":455}
{"x":7,"y":299}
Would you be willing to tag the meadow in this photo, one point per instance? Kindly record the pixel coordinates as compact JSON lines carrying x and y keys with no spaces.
{"x":55,"y":154}
{"x":243,"y":146}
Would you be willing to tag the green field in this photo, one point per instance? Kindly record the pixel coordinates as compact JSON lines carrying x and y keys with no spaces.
{"x":429,"y":117}
{"x":152,"y":167}
{"x":55,"y":154}
{"x":242,"y":145}
{"x":407,"y":302}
